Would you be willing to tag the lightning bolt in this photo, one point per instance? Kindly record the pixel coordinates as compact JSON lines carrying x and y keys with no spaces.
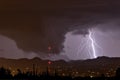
{"x":89,"y":45}
{"x":92,"y":43}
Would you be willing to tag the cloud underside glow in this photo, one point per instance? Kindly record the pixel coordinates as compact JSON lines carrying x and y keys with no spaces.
{"x":9,"y":49}
{"x":96,"y":43}
{"x":76,"y":46}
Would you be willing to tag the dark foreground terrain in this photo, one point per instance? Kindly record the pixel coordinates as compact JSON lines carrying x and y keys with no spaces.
{"x":52,"y":71}
{"x":5,"y":74}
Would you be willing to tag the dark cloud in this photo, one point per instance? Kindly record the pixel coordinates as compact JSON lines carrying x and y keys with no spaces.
{"x":37,"y":24}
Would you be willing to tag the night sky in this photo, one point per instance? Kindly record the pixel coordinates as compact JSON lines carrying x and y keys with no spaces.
{"x":29,"y":27}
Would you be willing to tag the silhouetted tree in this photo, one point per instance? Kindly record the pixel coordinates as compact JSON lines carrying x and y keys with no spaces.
{"x":102,"y":75}
{"x":19,"y":74}
{"x":118,"y":72}
{"x":5,"y":73}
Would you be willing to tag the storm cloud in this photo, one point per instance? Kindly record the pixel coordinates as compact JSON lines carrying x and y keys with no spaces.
{"x":37,"y":24}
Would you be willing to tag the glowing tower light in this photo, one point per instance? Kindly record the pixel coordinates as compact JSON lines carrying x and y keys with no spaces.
{"x":92,"y":43}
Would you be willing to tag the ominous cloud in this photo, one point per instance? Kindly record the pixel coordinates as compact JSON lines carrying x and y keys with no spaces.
{"x":36,"y":24}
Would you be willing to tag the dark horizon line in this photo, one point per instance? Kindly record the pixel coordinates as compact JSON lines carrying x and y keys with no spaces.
{"x":59,"y":59}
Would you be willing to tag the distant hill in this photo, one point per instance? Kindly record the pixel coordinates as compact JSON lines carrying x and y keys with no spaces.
{"x":99,"y":64}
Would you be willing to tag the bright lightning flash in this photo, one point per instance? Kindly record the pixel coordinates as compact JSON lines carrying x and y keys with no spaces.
{"x":89,"y":45}
{"x":92,"y":43}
